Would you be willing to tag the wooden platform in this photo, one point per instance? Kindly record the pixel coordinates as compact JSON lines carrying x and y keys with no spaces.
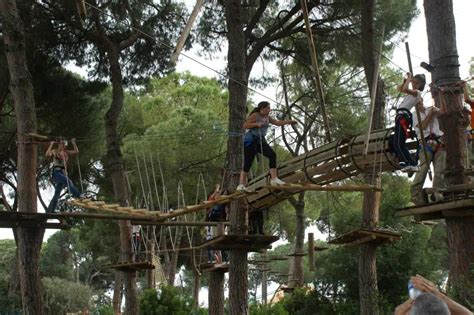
{"x":318,"y":248}
{"x":10,"y":219}
{"x":209,"y":267}
{"x":296,"y":188}
{"x":297,"y":254}
{"x":361,"y":236}
{"x":277,"y":258}
{"x":440,"y":210}
{"x":249,"y":243}
{"x":131,"y":266}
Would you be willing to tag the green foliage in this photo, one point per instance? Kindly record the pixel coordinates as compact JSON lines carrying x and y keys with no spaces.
{"x":9,"y":301}
{"x":184,"y":133}
{"x":167,"y":300}
{"x":62,"y":296}
{"x":275,"y":309}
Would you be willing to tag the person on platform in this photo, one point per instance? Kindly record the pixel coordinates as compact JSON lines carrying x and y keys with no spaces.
{"x":257,"y":125}
{"x":60,"y":156}
{"x":435,"y":151}
{"x":404,"y":119}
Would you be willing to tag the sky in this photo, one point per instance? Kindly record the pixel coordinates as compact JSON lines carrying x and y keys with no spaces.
{"x":417,"y":38}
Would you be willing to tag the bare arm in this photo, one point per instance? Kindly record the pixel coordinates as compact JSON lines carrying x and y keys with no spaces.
{"x":428,"y":119}
{"x":277,"y":122}
{"x":50,"y":151}
{"x":75,"y":149}
{"x":427,"y":286}
{"x":404,"y":87}
{"x":251,"y":122}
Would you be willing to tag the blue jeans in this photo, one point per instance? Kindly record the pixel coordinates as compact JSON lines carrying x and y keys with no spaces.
{"x":399,"y":144}
{"x":60,"y":181}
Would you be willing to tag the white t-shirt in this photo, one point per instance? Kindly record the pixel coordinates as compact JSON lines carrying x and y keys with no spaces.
{"x":432,"y":128}
{"x":409,"y":101}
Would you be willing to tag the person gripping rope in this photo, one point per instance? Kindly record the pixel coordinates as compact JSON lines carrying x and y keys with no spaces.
{"x":59,"y":176}
{"x":257,"y":124}
{"x":403,"y":120}
{"x":436,"y":153}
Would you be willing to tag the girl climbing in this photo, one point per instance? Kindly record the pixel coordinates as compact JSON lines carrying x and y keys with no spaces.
{"x":59,"y":174}
{"x":254,"y":142}
{"x":403,"y":120}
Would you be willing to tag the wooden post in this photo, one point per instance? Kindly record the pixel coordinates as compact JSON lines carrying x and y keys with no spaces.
{"x":187,"y":29}
{"x":314,"y":62}
{"x":311,"y":252}
{"x":264,"y":279}
{"x":373,"y":95}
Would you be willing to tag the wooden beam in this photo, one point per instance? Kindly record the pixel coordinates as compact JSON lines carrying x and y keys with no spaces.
{"x":359,"y":241}
{"x":187,"y":29}
{"x":437,"y":207}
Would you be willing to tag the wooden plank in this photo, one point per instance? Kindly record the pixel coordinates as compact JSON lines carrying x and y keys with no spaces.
{"x":437,"y":207}
{"x":130,"y":266}
{"x":359,"y":241}
{"x":297,"y":254}
{"x":244,"y":242}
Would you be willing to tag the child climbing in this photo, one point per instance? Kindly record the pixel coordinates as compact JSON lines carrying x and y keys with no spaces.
{"x":217,"y":213}
{"x":59,"y":173}
{"x":254,"y":142}
{"x":403,"y":120}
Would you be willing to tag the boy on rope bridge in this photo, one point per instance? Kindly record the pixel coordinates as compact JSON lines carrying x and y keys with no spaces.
{"x":403,"y":120}
{"x":217,"y":213}
{"x":257,"y":124}
{"x":59,"y":172}
{"x":436,"y":152}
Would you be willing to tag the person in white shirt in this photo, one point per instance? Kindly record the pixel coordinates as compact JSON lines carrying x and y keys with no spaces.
{"x":403,"y":120}
{"x":436,"y":153}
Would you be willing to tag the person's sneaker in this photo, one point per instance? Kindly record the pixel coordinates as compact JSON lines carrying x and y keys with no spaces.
{"x":276,"y":182}
{"x":437,"y":196}
{"x":402,"y":165}
{"x":406,"y":169}
{"x":415,"y":168}
{"x":242,"y":188}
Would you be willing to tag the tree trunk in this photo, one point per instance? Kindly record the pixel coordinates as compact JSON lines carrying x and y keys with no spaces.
{"x":29,"y":239}
{"x":150,"y":274}
{"x":236,"y":56}
{"x":368,"y":289}
{"x":441,"y":31}
{"x":117,"y":296}
{"x":114,"y":166}
{"x":196,"y":288}
{"x":297,"y":270}
{"x":216,"y":286}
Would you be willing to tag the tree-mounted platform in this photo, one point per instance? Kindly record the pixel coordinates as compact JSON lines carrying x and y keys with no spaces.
{"x":287,"y":289}
{"x":318,"y":248}
{"x":260,"y":269}
{"x":296,"y":188}
{"x":210,"y":267}
{"x":278,"y":258}
{"x":10,"y":219}
{"x":131,"y":266}
{"x":249,"y":243}
{"x":258,"y":261}
{"x":283,"y":275}
{"x":440,"y":210}
{"x":362,"y":236}
{"x":297,"y":254}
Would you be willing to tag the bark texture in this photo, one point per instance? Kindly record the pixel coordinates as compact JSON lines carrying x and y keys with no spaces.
{"x":29,"y":239}
{"x":296,"y":278}
{"x":368,"y":289}
{"x":216,"y":287}
{"x":441,"y":29}
{"x":236,"y":56}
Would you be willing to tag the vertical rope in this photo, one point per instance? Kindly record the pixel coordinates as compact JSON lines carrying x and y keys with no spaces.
{"x":140,"y":174}
{"x":80,"y":174}
{"x":154,"y":184}
{"x":150,"y":194}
